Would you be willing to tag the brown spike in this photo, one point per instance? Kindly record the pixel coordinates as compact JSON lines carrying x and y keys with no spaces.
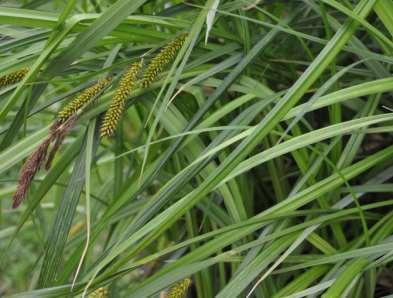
{"x":28,"y":171}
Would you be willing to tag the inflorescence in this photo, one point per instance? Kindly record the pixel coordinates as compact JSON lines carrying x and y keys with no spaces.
{"x":164,"y":57}
{"x":116,"y":107}
{"x":36,"y":160}
{"x":179,"y":289}
{"x":99,"y":293}
{"x":68,"y":116}
{"x":83,"y":99}
{"x":13,"y":77}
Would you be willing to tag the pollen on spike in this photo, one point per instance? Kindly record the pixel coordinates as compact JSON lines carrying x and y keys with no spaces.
{"x":99,"y":293}
{"x":127,"y":83}
{"x":158,"y":63}
{"x":83,"y":99}
{"x":13,"y":77}
{"x":179,"y":290}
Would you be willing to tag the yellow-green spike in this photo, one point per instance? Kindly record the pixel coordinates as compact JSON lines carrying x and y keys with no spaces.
{"x":158,"y":63}
{"x":117,"y":105}
{"x":99,"y":293}
{"x":83,"y":99}
{"x":13,"y":77}
{"x":179,"y":290}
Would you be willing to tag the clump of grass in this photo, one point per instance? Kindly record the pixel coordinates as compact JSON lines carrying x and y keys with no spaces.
{"x":116,"y":108}
{"x":162,"y":59}
{"x":270,"y":175}
{"x":83,"y":99}
{"x":13,"y":77}
{"x":179,"y":289}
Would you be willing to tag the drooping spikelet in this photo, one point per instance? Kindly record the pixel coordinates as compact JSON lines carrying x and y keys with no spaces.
{"x":99,"y":293}
{"x":13,"y":77}
{"x":44,"y":153}
{"x":59,"y":130}
{"x":159,"y":62}
{"x":28,"y":171}
{"x":116,"y":107}
{"x":83,"y":99}
{"x":179,"y":289}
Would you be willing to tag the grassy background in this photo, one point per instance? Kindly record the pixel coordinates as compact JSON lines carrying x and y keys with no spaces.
{"x":259,"y":164}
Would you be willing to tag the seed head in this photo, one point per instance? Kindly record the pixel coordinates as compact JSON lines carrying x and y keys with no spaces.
{"x":179,"y":290}
{"x":28,"y":171}
{"x":83,"y":99}
{"x":164,"y":57}
{"x":57,"y":135}
{"x":117,"y":105}
{"x":99,"y":293}
{"x":13,"y":77}
{"x":43,"y":154}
